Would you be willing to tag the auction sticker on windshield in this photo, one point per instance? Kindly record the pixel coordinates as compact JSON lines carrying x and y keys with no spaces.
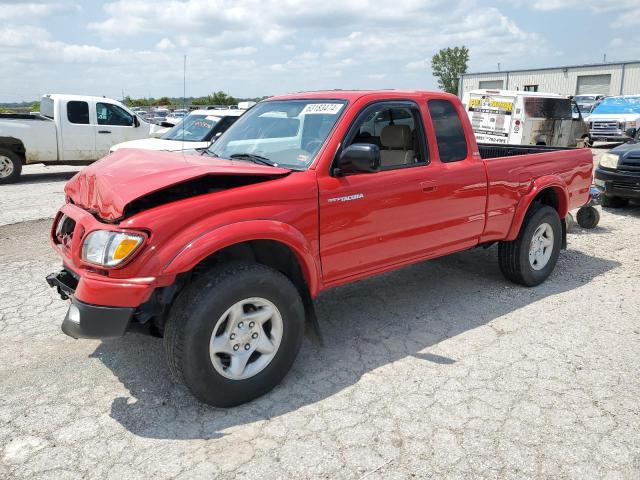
{"x":322,"y":109}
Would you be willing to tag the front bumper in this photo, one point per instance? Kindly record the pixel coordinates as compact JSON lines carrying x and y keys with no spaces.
{"x":84,"y":320}
{"x":616,"y":183}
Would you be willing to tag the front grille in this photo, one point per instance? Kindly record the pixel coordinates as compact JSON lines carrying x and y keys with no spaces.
{"x":633,"y":187}
{"x":605,"y":127}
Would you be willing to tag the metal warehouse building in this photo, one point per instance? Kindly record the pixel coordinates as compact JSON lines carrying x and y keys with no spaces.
{"x":621,"y":78}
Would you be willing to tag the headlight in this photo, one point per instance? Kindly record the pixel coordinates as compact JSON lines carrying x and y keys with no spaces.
{"x":630,"y":124}
{"x":609,"y":160}
{"x":109,"y":249}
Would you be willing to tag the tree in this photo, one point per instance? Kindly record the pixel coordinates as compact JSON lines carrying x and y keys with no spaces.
{"x":216,"y":98}
{"x":163,"y":101}
{"x":447,"y":65}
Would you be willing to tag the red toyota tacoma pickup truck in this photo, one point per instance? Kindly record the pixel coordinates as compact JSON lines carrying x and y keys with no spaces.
{"x":223,"y":253}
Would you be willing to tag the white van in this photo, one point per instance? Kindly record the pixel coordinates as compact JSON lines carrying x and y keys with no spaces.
{"x":524,"y":118}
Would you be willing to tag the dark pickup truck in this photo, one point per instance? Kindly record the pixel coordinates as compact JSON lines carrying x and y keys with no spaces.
{"x":618,"y":173}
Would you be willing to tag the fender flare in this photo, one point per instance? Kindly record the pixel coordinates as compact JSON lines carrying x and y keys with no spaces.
{"x":538,"y":185}
{"x":215,"y":240}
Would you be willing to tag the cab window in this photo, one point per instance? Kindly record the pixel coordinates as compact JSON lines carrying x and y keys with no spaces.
{"x":452,"y":144}
{"x":396,"y":130}
{"x":78,"y":112}
{"x":109,"y":114}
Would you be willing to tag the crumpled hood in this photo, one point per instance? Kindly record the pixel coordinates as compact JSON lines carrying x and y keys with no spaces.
{"x":107,"y":186}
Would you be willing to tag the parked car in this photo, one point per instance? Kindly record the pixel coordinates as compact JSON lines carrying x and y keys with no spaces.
{"x":223,"y":253}
{"x":618,"y":172}
{"x":525,"y":118}
{"x":195,"y":132}
{"x":610,"y":120}
{"x":70,"y":130}
{"x":586,"y":103}
{"x":176,"y":116}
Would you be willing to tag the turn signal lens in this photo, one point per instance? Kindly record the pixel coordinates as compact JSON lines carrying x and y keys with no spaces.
{"x":125,"y":247}
{"x":108,"y":249}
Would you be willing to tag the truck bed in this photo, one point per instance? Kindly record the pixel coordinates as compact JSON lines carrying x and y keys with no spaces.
{"x":23,"y":116}
{"x":495,"y":150}
{"x":512,"y":171}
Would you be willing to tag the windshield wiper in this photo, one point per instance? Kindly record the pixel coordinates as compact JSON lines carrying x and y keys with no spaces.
{"x":209,"y":153}
{"x":254,"y":158}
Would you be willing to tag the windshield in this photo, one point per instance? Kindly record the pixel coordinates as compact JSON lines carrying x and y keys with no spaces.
{"x":285,"y":133}
{"x":194,"y":128}
{"x":619,"y":105}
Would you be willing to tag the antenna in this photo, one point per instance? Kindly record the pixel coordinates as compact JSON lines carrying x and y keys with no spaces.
{"x":184,"y":95}
{"x":604,"y":60}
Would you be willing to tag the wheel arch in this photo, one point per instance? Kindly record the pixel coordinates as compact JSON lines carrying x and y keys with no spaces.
{"x":551,"y":191}
{"x":270,"y":243}
{"x":15,"y":145}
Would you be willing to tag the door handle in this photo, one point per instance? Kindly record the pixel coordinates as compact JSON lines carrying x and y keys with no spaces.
{"x":104,"y":131}
{"x":429,"y":186}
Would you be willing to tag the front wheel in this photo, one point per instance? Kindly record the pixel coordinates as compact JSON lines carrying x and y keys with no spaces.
{"x":10,"y":166}
{"x":532,"y":256}
{"x":234,"y":333}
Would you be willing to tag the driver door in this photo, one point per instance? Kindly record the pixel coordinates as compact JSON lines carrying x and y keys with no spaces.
{"x":115,"y":125}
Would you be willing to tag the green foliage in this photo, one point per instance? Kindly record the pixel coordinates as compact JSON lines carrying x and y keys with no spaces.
{"x":35,"y":107}
{"x":447,"y":65}
{"x":217,"y":98}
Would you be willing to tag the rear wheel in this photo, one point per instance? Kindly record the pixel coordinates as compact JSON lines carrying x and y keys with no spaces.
{"x":10,"y":166}
{"x":532,"y":256}
{"x":614,"y":202}
{"x":234,"y":333}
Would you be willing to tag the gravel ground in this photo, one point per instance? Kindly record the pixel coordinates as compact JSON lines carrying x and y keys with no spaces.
{"x":440,"y":370}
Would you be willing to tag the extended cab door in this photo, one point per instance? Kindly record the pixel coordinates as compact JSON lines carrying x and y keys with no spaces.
{"x":414,"y":208}
{"x":114,"y":125}
{"x":77,"y":135}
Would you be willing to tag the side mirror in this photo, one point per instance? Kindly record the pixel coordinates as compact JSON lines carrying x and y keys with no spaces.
{"x":358,"y":158}
{"x":136,"y":121}
{"x":631,"y":132}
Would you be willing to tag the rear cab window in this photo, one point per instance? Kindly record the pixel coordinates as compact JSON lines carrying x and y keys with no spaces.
{"x":78,"y":112}
{"x":450,"y":137}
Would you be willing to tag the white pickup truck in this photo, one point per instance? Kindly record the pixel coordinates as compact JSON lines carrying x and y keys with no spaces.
{"x":69,"y":130}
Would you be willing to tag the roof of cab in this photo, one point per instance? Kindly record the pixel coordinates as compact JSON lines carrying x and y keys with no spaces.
{"x":64,"y":96}
{"x":352,"y":95}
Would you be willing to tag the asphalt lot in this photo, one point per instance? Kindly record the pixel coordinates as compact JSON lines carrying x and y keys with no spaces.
{"x":440,"y":370}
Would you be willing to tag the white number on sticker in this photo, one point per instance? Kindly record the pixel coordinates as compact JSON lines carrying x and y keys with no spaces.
{"x":321,"y":109}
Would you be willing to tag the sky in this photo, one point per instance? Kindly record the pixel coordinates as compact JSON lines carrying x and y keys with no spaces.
{"x":253,"y":48}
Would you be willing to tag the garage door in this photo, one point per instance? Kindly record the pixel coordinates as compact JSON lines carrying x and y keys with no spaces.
{"x":491,"y":84}
{"x":593,"y":84}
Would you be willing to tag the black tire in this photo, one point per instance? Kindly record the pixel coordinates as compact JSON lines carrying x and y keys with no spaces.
{"x":194,"y":314}
{"x":588,"y":217}
{"x":614,"y":202}
{"x":514,"y":256}
{"x":16,"y":166}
